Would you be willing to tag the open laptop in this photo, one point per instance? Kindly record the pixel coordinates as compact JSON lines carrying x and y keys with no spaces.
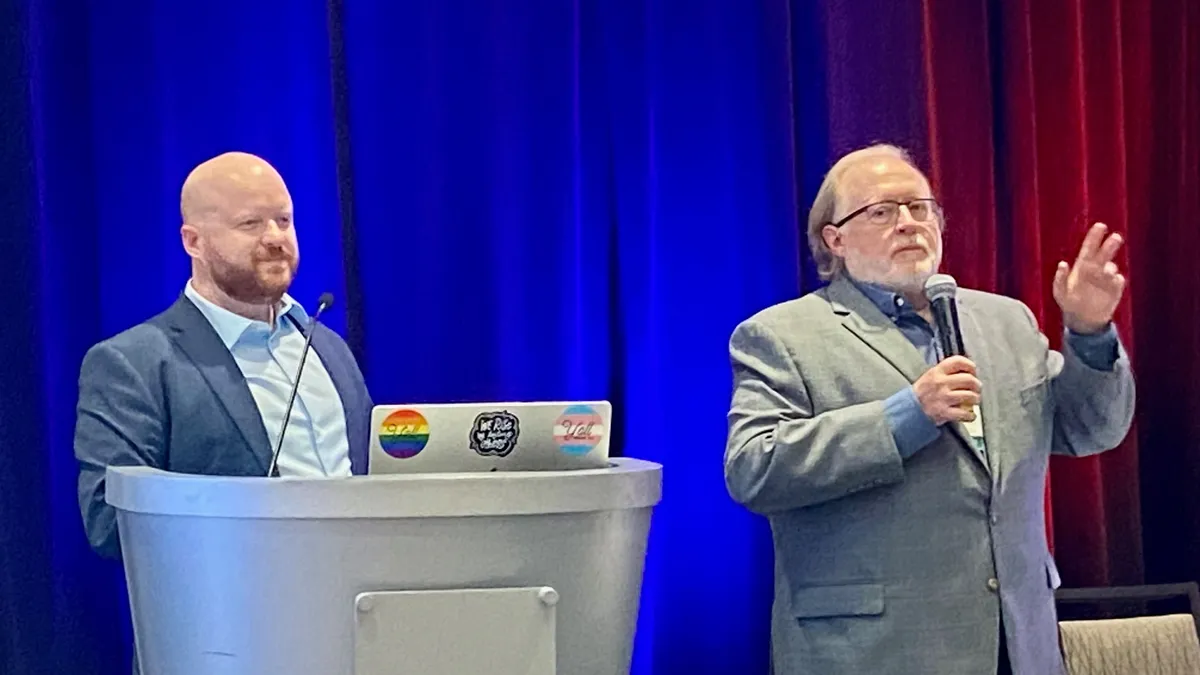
{"x":458,"y":437}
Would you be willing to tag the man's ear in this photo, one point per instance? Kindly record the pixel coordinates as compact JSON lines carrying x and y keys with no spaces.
{"x":833,"y":240}
{"x":191,"y":240}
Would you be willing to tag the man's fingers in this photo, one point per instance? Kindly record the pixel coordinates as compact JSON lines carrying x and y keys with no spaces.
{"x":960,"y":414}
{"x":957,"y":364}
{"x":1060,"y":280}
{"x":1109,"y":249}
{"x":1091,"y":243}
{"x":1112,"y":282}
{"x":963,"y":399}
{"x":1104,"y":277}
{"x":963,"y":382}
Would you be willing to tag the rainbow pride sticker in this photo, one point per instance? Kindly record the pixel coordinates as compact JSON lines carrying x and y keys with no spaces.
{"x":578,"y":430}
{"x":404,"y":434}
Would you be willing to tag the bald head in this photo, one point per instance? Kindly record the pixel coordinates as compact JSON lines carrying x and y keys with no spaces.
{"x":238,"y":230}
{"x":225,"y":183}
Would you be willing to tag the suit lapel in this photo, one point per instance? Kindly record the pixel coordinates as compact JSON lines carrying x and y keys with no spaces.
{"x":862,"y":318}
{"x":196,"y":337}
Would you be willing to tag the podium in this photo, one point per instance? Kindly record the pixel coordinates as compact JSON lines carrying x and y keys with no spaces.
{"x":470,"y":573}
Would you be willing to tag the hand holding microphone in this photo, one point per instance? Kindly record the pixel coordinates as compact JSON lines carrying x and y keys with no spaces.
{"x":949,"y":391}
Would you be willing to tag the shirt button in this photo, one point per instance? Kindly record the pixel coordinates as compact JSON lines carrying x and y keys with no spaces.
{"x":995,"y":519}
{"x":993,"y":584}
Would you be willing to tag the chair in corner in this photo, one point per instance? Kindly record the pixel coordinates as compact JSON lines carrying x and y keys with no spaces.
{"x":1164,"y":644}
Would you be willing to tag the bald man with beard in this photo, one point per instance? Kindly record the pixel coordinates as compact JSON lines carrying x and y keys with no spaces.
{"x":202,"y":388}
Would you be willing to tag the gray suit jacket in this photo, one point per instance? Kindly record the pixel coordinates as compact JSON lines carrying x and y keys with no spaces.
{"x":884,"y":565}
{"x":168,"y":394}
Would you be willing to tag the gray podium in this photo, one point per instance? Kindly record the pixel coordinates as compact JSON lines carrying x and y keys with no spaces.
{"x":498,"y":573}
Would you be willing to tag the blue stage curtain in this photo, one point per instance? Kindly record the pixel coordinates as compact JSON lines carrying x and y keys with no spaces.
{"x":106,"y":107}
{"x":514,"y":201}
{"x":581,"y":200}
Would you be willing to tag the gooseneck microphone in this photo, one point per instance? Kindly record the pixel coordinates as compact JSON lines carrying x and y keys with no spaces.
{"x":323,"y":303}
{"x":941,"y":290}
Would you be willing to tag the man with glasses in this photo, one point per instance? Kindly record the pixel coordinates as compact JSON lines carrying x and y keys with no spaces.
{"x":902,"y":544}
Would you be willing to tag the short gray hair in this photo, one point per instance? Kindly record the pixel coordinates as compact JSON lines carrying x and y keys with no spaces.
{"x":825,"y":204}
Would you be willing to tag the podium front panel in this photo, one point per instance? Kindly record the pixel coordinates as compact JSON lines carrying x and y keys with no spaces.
{"x":224,"y":595}
{"x":502,"y":631}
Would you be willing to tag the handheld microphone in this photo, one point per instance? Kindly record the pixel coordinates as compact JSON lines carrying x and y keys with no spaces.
{"x":323,"y":303}
{"x":941,"y":290}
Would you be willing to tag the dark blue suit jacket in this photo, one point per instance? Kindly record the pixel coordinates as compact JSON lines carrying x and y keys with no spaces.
{"x":168,"y":394}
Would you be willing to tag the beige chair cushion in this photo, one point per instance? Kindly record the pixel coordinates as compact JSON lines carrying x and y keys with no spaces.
{"x":1150,"y":645}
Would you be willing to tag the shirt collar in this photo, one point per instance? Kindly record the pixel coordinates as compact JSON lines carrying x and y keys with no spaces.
{"x":230,"y":327}
{"x":891,"y":303}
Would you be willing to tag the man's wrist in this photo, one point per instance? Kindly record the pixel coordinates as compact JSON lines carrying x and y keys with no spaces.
{"x":1082,"y":328}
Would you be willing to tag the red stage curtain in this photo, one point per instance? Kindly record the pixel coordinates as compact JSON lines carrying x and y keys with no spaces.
{"x":1034,"y":119}
{"x":1043,"y":117}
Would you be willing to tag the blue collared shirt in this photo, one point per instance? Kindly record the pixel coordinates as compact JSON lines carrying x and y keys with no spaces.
{"x":910,"y":426}
{"x":268,"y":356}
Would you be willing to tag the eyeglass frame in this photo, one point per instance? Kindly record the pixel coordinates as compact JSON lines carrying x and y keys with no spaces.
{"x":936,"y":212}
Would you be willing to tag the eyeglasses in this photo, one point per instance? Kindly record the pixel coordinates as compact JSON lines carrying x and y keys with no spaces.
{"x":887,"y":212}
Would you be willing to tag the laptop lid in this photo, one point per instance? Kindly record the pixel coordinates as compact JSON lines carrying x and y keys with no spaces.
{"x":471,"y":437}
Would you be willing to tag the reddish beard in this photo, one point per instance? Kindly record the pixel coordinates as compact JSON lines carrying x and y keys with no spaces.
{"x":252,"y":284}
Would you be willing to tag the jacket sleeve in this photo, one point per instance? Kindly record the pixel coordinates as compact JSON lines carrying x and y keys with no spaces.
{"x":1093,"y":408}
{"x":779,"y":454}
{"x":118,"y":422}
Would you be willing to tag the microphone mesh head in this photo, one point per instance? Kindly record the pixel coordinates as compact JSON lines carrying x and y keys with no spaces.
{"x":940,"y":286}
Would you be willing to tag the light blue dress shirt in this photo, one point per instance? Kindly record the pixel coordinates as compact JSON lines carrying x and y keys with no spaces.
{"x":268,"y":356}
